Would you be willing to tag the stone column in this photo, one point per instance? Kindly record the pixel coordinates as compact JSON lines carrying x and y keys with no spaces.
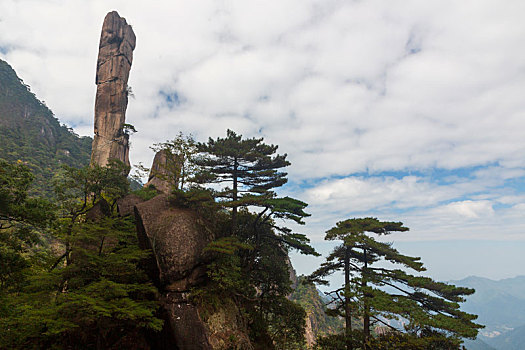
{"x":115,"y":55}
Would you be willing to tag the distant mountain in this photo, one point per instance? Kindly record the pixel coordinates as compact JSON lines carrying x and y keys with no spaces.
{"x":477,"y":344}
{"x":512,"y":340}
{"x":500,"y":306}
{"x":29,"y":132}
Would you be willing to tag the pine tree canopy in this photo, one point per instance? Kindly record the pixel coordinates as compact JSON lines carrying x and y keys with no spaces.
{"x":379,"y":287}
{"x":250,"y":165}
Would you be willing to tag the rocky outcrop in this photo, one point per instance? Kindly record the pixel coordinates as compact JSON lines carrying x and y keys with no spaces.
{"x":99,"y":211}
{"x":188,"y":329}
{"x":160,"y":176}
{"x":177,"y":238}
{"x":292,"y":273}
{"x":117,"y":43}
{"x":227,"y":328}
{"x":126,"y":205}
{"x":317,"y":321}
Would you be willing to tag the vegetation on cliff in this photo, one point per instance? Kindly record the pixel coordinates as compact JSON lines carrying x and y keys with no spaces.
{"x":78,"y":283}
{"x":250,"y":255}
{"x":29,"y":132}
{"x":320,"y":324}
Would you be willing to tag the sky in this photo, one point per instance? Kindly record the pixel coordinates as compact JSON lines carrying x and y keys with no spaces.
{"x":408,"y":110}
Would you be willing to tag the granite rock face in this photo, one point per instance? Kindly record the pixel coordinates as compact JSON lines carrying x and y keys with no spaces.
{"x":126,"y":205}
{"x":159,"y":175}
{"x":115,"y":56}
{"x":177,"y":240}
{"x":187,"y":327}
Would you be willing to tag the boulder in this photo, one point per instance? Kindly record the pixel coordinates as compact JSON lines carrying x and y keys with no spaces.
{"x":177,"y":238}
{"x":117,"y":42}
{"x":162,"y":175}
{"x":99,"y":211}
{"x":227,"y":327}
{"x":126,"y":205}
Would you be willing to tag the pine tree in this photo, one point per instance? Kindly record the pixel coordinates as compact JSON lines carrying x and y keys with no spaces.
{"x":376,"y":290}
{"x":16,"y":206}
{"x":92,"y":293}
{"x":22,"y":217}
{"x":249,"y":165}
{"x":248,"y":171}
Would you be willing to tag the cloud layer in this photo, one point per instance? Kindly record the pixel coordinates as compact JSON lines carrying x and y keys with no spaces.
{"x":407,"y":110}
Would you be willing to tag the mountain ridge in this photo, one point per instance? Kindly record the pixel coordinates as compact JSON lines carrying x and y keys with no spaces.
{"x":31,"y":133}
{"x":500,"y":305}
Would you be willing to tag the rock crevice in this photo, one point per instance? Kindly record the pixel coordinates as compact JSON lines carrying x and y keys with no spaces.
{"x":177,"y":241}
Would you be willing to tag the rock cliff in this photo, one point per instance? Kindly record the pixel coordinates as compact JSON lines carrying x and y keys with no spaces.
{"x":115,"y":56}
{"x":177,"y":238}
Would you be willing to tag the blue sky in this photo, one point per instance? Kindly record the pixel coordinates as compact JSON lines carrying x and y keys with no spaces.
{"x":406,"y":110}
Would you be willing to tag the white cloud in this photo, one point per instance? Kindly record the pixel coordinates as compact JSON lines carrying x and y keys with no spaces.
{"x":469,"y":209}
{"x":343,"y":87}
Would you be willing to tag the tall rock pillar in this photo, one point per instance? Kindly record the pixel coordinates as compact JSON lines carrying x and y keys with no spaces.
{"x":115,"y":55}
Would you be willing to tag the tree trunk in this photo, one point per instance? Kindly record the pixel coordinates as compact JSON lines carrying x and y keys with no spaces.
{"x":348,"y":315}
{"x":99,"y":345}
{"x":366,"y":306}
{"x":234,"y":196}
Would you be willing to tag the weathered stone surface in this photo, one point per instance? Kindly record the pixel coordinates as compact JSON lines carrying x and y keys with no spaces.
{"x":309,"y":334}
{"x":185,"y":323}
{"x":117,"y":42}
{"x":159,"y":175}
{"x":197,"y":276}
{"x":293,"y":274}
{"x":126,"y":205}
{"x":227,"y":328}
{"x":176,"y":238}
{"x":99,"y":211}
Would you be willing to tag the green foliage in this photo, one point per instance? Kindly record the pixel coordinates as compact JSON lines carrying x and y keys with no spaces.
{"x":339,"y":341}
{"x":250,"y":262}
{"x":249,"y":165}
{"x":198,"y":199}
{"x":99,"y":294}
{"x":377,"y":291}
{"x":15,"y":204}
{"x":29,"y":132}
{"x":146,"y":193}
{"x":89,"y":292}
{"x":286,"y":322}
{"x":225,"y":270}
{"x":252,"y":168}
{"x":22,"y":217}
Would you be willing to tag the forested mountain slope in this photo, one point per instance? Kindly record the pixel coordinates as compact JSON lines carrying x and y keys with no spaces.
{"x":30,"y":132}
